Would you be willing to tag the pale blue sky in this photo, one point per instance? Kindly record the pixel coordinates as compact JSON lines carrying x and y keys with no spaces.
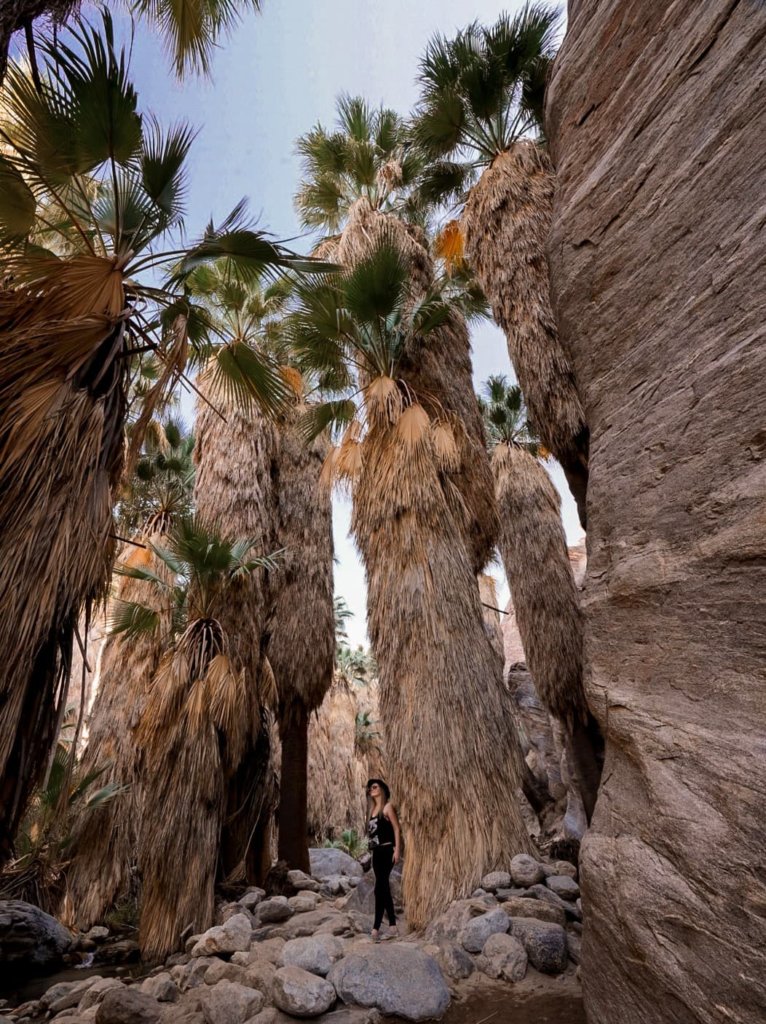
{"x":277,"y":75}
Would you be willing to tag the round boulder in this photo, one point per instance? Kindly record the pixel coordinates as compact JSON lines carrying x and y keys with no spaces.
{"x":397,"y":979}
{"x":478,"y":930}
{"x":504,"y":957}
{"x":526,"y":871}
{"x":544,"y":942}
{"x":301,"y":993}
{"x":313,"y":953}
{"x":30,"y":936}
{"x":327,"y":861}
{"x":563,"y":886}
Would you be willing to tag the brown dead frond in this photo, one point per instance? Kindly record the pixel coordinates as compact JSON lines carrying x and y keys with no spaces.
{"x":384,"y":402}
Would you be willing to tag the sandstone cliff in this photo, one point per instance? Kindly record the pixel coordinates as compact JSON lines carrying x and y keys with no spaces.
{"x":657,"y":122}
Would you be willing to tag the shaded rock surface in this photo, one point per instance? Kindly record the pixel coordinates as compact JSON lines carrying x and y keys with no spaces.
{"x":658,"y":133}
{"x":327,"y":861}
{"x":30,"y":936}
{"x":300,"y":993}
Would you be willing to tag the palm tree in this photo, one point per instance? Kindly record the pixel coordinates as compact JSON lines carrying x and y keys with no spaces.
{"x":189,"y":29}
{"x":359,"y":180}
{"x":454,"y":758}
{"x":91,"y":188}
{"x":534,"y":552}
{"x":481,"y":102}
{"x":105,"y":844}
{"x":260,"y":477}
{"x":196,"y":726}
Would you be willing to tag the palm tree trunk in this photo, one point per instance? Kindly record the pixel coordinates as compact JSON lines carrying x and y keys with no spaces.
{"x":454,"y":757}
{"x":301,"y":644}
{"x":61,"y":459}
{"x":17,"y":14}
{"x":533,"y":548}
{"x":234,"y":486}
{"x":105,"y":842}
{"x":506,"y":222}
{"x":293,"y":832}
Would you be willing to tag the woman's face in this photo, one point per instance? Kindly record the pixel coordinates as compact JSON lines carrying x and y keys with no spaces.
{"x":374,"y":791}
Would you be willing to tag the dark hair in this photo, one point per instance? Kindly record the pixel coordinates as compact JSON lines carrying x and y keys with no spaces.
{"x":382,"y":785}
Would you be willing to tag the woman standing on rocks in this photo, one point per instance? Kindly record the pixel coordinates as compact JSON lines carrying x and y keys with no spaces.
{"x":384,"y":840}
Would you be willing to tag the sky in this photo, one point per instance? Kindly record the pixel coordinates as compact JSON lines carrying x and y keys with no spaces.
{"x":275,"y":77}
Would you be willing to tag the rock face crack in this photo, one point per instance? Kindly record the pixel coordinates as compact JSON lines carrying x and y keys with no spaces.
{"x":657,"y":262}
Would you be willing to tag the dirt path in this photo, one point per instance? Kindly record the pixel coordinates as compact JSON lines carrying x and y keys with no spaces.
{"x":536,"y":1000}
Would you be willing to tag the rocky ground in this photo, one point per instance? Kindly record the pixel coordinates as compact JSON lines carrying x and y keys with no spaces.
{"x":514,"y":943}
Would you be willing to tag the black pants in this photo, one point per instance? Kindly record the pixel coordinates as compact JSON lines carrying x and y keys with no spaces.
{"x":382,"y":863}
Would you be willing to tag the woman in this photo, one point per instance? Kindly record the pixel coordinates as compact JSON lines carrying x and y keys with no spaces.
{"x":384,"y":840}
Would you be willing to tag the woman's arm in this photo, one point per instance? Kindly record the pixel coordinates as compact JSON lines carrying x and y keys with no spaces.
{"x":390,"y":813}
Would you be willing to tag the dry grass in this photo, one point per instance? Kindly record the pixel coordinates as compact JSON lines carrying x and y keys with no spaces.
{"x":105,"y":842}
{"x":506,"y":222}
{"x":440,"y":374}
{"x":534,"y":552}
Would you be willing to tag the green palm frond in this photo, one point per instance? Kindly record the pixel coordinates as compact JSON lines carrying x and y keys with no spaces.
{"x":481,"y":92}
{"x":132,"y":618}
{"x":367,"y":155}
{"x":505,"y":416}
{"x":190,"y":29}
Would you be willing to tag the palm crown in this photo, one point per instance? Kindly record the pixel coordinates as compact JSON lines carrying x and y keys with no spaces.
{"x":91,"y":188}
{"x":481,"y":92}
{"x":505,"y":416}
{"x":353,"y":330}
{"x":366,"y":156}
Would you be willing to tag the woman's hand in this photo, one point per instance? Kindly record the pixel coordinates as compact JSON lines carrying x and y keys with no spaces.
{"x":396,"y":855}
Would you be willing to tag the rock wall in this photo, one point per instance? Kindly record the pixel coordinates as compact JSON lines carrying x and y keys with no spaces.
{"x":657,"y":121}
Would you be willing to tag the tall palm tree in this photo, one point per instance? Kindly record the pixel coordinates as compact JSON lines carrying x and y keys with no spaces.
{"x":301,"y":644}
{"x":195,"y":728}
{"x":534,"y":551}
{"x":259,"y":476}
{"x":91,"y":190}
{"x":454,"y":757}
{"x":189,"y":29}
{"x":479,"y":121}
{"x":104,"y":843}
{"x":358,"y":180}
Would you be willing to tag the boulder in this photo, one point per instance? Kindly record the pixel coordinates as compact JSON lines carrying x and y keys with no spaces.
{"x":127,"y":1006}
{"x":161,"y":987}
{"x":396,"y":978}
{"x":303,"y":903}
{"x":574,"y":947}
{"x":98,"y":933}
{"x":300,"y":993}
{"x":326,"y":918}
{"x":268,"y":949}
{"x":252,"y":898}
{"x":453,"y":959}
{"x":327,"y":861}
{"x":223,"y":969}
{"x":563,"y":886}
{"x":496,"y":880}
{"x":526,"y":871}
{"x":521,"y":906}
{"x":228,"y":1002}
{"x":478,"y":929}
{"x":94,"y":993}
{"x":30,"y":936}
{"x":302,"y":882}
{"x":335,"y":885}
{"x":362,"y":899}
{"x":260,"y":975}
{"x":273,"y":910}
{"x":545,"y":943}
{"x":65,"y":994}
{"x":314,"y":953}
{"x":503,"y":956}
{"x":230,"y":937}
{"x":546,"y":895}
{"x":449,"y":924}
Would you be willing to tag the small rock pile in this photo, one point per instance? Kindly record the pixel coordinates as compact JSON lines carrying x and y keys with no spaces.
{"x":271,"y":960}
